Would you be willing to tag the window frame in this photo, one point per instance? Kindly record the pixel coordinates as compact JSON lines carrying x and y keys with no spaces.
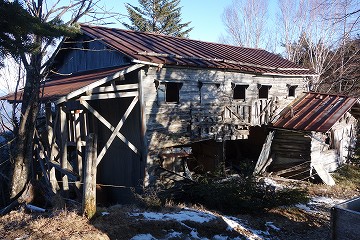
{"x":174,"y":89}
{"x":244,"y":87}
{"x":260,"y":86}
{"x":291,"y":88}
{"x":162,"y":89}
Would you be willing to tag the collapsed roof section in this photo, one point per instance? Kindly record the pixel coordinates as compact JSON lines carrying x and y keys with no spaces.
{"x":314,"y":112}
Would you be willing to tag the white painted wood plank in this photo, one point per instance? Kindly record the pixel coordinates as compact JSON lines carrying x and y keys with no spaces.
{"x":109,"y":95}
{"x":115,"y":88}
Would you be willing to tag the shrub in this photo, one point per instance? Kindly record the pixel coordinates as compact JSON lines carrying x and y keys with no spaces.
{"x":149,"y":199}
{"x":238,"y":195}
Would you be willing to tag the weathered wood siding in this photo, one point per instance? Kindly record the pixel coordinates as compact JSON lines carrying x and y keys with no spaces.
{"x":323,"y":153}
{"x":344,"y":132}
{"x":288,"y":150}
{"x":85,"y":55}
{"x":330,"y":149}
{"x":206,"y":108}
{"x":334,"y":147}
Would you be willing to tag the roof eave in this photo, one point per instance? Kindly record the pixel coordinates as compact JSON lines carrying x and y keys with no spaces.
{"x":97,"y":83}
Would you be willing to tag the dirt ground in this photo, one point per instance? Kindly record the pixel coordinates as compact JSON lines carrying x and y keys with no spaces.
{"x":115,"y":223}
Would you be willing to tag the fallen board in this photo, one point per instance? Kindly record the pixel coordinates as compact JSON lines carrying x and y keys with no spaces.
{"x":324,"y":175}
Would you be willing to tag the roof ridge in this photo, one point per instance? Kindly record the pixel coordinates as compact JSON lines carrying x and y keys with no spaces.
{"x":168,"y":36}
{"x":154,"y":54}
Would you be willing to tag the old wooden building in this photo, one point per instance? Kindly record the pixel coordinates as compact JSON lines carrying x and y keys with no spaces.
{"x":155,"y":101}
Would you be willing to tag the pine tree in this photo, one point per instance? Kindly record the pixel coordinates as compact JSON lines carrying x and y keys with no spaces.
{"x":18,"y":27}
{"x":158,"y":16}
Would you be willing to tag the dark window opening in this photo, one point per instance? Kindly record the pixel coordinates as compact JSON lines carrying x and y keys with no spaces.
{"x":240,"y":92}
{"x":292,"y":91}
{"x":264,"y":91}
{"x":172,"y":92}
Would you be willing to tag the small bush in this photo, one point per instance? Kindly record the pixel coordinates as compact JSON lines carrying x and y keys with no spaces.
{"x":149,"y":199}
{"x":238,"y":195}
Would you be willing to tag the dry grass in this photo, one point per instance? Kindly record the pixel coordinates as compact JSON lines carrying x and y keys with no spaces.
{"x":347,"y":186}
{"x":59,"y":225}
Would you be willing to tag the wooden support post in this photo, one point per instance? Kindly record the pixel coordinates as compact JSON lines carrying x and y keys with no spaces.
{"x":144,"y":146}
{"x":50,"y":125}
{"x":63,"y":149}
{"x":40,"y":157}
{"x":89,"y":189}
{"x":78,"y":147}
{"x":224,"y":155}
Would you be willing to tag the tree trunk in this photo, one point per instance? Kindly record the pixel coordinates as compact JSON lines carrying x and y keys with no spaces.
{"x":24,"y":144}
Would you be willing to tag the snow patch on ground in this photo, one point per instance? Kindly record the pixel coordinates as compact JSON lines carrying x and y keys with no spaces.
{"x":174,"y":234}
{"x":272,"y":183}
{"x":325,"y":200}
{"x":272,"y":226}
{"x":184,"y":215}
{"x":315,"y":202}
{"x":143,"y":237}
{"x":237,"y":225}
{"x":234,"y":224}
{"x":304,"y":207}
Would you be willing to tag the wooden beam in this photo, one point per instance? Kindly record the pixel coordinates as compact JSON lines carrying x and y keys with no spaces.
{"x":263,"y":161}
{"x":109,"y":126}
{"x":98,"y":83}
{"x":63,"y":149}
{"x":117,"y":129}
{"x":40,"y":155}
{"x":142,"y":109}
{"x":115,"y":88}
{"x":79,"y":159}
{"x":108,"y":96}
{"x":50,"y":125}
{"x":70,"y":174}
{"x":234,"y":113}
{"x":89,"y":190}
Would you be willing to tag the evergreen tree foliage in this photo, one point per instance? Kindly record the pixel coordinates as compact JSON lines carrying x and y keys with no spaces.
{"x":18,"y":28}
{"x":33,"y":33}
{"x":158,"y":16}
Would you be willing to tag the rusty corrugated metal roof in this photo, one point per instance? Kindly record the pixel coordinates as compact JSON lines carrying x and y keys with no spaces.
{"x":163,"y":49}
{"x":314,"y":112}
{"x":59,"y":86}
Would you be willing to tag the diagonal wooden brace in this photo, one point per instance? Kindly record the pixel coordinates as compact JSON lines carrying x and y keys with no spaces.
{"x":115,"y":131}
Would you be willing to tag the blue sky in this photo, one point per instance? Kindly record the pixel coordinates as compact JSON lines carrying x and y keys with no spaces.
{"x":204,"y":15}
